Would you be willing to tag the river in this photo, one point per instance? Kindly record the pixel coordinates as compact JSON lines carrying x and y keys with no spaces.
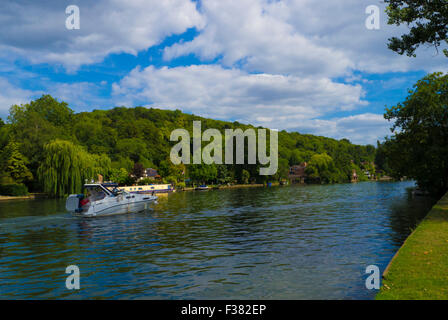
{"x":293,"y":242}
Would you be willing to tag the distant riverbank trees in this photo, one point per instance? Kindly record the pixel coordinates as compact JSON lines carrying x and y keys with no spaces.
{"x":61,"y":148}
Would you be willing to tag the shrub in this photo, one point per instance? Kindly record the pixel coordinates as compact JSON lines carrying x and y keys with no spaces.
{"x":13,"y":189}
{"x":180,"y":185}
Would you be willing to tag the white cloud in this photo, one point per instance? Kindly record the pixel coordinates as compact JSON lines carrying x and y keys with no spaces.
{"x":254,"y":33}
{"x":275,"y":101}
{"x":81,"y":96}
{"x":233,"y":93}
{"x":37,"y":30}
{"x":277,"y":60}
{"x":10,"y":95}
{"x":307,"y":38}
{"x":364,"y":128}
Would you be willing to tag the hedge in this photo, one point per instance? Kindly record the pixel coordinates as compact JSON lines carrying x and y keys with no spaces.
{"x":13,"y":189}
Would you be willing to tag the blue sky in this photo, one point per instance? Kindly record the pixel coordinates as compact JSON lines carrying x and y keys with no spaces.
{"x":295,"y":65}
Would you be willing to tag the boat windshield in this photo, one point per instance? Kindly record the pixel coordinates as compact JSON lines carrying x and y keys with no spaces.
{"x":115,"y":191}
{"x":112,"y":188}
{"x":95,"y":193}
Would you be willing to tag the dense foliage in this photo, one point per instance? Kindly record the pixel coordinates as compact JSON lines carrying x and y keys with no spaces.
{"x":66,"y":167}
{"x":427,"y":21}
{"x":419,"y":148}
{"x":13,"y":189}
{"x":13,"y":165}
{"x":62,"y":148}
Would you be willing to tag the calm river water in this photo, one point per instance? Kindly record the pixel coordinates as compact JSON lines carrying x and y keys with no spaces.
{"x":297,"y":242}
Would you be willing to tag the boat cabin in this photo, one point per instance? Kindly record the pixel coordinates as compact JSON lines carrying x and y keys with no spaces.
{"x":98,"y":191}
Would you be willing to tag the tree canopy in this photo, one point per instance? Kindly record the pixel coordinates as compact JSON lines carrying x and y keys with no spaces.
{"x":13,"y":165}
{"x":419,"y":147}
{"x":427,"y":20}
{"x":53,"y":139}
{"x":66,"y":167}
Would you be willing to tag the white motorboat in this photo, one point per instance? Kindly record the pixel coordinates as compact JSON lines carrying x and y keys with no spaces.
{"x":102,"y":199}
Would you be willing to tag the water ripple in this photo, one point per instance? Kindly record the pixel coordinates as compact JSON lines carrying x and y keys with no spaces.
{"x":257,"y":243}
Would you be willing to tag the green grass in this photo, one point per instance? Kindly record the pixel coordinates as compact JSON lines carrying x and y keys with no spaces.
{"x":420,"y":268}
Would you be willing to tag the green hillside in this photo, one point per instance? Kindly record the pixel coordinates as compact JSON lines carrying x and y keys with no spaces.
{"x":58,"y":148}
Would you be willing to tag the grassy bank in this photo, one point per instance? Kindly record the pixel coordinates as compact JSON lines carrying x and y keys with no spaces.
{"x":419,"y":269}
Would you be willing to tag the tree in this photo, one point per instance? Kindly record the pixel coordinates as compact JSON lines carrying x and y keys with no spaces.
{"x":36,"y":123}
{"x":428,"y":21}
{"x":67,"y":166}
{"x":419,"y":147}
{"x":13,"y":164}
{"x":321,"y":169}
{"x":118,"y":175}
{"x":135,"y":149}
{"x":283,"y":169}
{"x":245,"y":175}
{"x":202,"y":173}
{"x":224,"y":175}
{"x":142,"y":135}
{"x":381,"y":158}
{"x":53,"y":111}
{"x":168,"y":169}
{"x":138,"y":170}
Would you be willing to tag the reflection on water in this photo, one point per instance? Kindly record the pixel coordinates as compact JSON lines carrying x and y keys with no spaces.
{"x":298,"y":242}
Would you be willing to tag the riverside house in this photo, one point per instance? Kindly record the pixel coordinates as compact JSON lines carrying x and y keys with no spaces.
{"x":151,"y":173}
{"x":297,"y":173}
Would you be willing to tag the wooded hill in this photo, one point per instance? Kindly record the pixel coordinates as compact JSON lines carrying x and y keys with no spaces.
{"x":47,"y":146}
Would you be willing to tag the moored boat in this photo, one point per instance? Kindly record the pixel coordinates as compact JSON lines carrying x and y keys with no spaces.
{"x":149,"y":189}
{"x":202,"y":188}
{"x":106,"y":199}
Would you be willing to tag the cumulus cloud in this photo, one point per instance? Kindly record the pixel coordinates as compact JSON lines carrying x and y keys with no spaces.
{"x":308,"y":38}
{"x":275,"y":63}
{"x":274,"y":101}
{"x":255,"y":34}
{"x":216,"y":91}
{"x":81,"y":96}
{"x":36,"y":30}
{"x":364,"y":128}
{"x":10,"y":95}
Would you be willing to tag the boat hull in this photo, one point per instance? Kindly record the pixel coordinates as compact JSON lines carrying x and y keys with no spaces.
{"x":115,"y":205}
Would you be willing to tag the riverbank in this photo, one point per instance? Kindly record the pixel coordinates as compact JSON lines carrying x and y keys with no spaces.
{"x":418,"y":269}
{"x":234,"y":186}
{"x":31,"y":196}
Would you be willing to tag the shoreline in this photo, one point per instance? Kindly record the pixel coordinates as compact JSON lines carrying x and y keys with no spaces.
{"x":31,"y":196}
{"x":416,"y":271}
{"x":235,"y":186}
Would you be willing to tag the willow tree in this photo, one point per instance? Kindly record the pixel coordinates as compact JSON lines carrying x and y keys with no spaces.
{"x":67,"y":166}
